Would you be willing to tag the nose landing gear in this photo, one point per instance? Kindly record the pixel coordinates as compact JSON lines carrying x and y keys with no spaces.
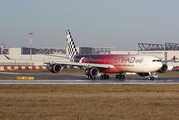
{"x":151,"y":75}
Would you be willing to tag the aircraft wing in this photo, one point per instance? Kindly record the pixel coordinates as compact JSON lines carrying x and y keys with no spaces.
{"x":107,"y":66}
{"x":171,"y":60}
{"x":67,"y":57}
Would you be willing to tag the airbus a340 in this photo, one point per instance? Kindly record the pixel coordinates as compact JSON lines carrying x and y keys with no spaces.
{"x":143,"y":65}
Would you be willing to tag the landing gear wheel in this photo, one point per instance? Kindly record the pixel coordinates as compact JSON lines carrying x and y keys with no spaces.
{"x":120,"y":76}
{"x":107,"y":76}
{"x":117,"y":76}
{"x":90,"y":77}
{"x":151,"y":78}
{"x":151,"y":75}
{"x":104,"y":76}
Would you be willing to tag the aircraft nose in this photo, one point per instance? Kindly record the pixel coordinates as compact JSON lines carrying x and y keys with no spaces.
{"x":159,"y":65}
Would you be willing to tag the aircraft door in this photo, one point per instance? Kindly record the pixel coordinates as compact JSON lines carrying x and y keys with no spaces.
{"x":144,"y":64}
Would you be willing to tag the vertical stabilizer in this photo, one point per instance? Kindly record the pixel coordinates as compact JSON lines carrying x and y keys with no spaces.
{"x":71,"y":49}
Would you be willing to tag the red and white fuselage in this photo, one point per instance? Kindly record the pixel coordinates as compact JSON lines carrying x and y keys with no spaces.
{"x":123,"y":63}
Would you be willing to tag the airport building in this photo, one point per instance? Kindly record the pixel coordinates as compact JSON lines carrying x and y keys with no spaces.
{"x":164,"y":51}
{"x":44,"y":54}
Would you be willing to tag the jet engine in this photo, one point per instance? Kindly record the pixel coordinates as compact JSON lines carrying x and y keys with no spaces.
{"x":143,"y":74}
{"x":163,"y":69}
{"x":92,"y":71}
{"x":55,"y":68}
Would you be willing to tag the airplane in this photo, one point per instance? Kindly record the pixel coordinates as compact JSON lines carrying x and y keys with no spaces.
{"x":143,"y":65}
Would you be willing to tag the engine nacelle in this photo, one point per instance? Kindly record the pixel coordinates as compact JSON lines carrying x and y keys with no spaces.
{"x":91,"y":71}
{"x":163,"y":69}
{"x":143,"y":74}
{"x":55,"y":68}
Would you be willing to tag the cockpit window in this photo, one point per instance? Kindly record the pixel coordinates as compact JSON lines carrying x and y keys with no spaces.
{"x":156,"y":61}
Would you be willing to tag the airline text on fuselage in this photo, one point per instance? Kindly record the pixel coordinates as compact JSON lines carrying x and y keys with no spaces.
{"x":128,"y":60}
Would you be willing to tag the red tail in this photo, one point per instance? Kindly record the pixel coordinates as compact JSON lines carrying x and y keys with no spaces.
{"x":173,"y":58}
{"x":7,"y":57}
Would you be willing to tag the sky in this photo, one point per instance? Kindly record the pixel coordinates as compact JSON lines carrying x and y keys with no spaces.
{"x":92,"y":23}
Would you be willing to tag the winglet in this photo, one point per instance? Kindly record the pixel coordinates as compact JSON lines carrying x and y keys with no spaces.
{"x":7,"y":57}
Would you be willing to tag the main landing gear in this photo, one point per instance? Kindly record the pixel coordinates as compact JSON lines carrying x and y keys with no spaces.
{"x":120,"y":76}
{"x":90,"y":77}
{"x":106,"y":76}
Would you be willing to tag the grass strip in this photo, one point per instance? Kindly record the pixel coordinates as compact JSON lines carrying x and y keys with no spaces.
{"x":89,"y":102}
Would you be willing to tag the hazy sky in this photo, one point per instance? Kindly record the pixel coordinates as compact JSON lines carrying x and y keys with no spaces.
{"x":93,"y":23}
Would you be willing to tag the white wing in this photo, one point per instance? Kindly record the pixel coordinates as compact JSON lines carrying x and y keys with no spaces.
{"x":108,"y":66}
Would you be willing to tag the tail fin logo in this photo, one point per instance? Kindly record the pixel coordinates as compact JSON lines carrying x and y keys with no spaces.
{"x":72,"y":51}
{"x":173,"y":58}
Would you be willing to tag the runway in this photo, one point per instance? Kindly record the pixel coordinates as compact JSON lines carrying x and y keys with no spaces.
{"x":81,"y":79}
{"x":88,"y":82}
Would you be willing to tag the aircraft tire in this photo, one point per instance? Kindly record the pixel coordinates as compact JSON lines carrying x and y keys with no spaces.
{"x":107,"y":76}
{"x":151,"y":78}
{"x":117,"y":76}
{"x":102,"y":76}
{"x":122,"y":76}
